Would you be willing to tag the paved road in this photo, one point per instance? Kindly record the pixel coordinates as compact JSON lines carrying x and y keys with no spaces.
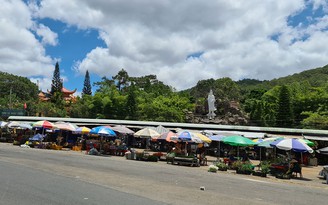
{"x":67,"y":177}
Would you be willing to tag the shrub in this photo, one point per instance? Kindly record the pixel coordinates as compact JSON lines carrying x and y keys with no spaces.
{"x":222,"y":166}
{"x":152,"y":158}
{"x":265,"y":167}
{"x":236,"y":165}
{"x":212,"y":168}
{"x":247,"y":167}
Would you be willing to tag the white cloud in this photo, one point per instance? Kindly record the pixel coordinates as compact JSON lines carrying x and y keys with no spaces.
{"x":48,"y":36}
{"x":156,"y":37}
{"x":20,"y":52}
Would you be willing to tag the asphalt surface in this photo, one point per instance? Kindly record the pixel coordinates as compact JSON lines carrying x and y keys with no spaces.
{"x":34,"y":176}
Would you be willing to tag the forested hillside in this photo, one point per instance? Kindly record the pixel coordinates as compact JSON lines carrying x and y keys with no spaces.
{"x":16,"y":90}
{"x":299,"y":100}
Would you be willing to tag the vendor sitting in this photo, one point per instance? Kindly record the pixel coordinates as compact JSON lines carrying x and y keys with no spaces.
{"x":231,"y":159}
{"x":295,"y":167}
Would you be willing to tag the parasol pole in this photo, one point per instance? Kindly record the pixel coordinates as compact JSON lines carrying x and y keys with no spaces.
{"x":219,"y":149}
{"x":238,"y":152}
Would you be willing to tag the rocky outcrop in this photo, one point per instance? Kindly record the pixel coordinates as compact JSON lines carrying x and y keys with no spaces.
{"x":229,"y":113}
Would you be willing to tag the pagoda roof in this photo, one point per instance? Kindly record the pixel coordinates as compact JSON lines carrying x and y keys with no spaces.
{"x":64,"y":90}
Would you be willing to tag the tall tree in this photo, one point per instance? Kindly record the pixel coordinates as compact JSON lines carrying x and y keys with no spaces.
{"x":121,"y":79}
{"x":57,"y":84}
{"x":87,"y":86}
{"x":284,"y":111}
{"x":131,"y":104}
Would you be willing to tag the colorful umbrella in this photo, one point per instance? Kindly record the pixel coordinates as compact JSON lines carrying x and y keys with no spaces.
{"x":103,"y":131}
{"x":238,"y":141}
{"x":267,"y":141}
{"x":187,"y":136}
{"x":65,"y":126}
{"x":160,"y":129}
{"x":147,"y":133}
{"x":168,"y":136}
{"x":203,"y":138}
{"x":308,"y":142}
{"x":266,"y":144}
{"x":82,"y":130}
{"x":122,"y":129}
{"x":217,"y":138}
{"x":293,"y":144}
{"x":44,"y":124}
{"x":18,"y":125}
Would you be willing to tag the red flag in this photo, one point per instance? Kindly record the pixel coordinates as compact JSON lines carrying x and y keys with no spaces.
{"x":25,"y":106}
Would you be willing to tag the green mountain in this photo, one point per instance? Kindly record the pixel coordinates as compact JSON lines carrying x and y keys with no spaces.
{"x":16,"y":90}
{"x":316,"y":77}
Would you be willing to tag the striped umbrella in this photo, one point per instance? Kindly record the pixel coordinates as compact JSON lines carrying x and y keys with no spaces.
{"x":82,"y":130}
{"x":147,"y":133}
{"x":44,"y":124}
{"x":122,"y":129}
{"x":293,"y":144}
{"x":65,"y":126}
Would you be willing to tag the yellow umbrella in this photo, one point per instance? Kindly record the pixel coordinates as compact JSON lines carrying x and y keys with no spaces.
{"x":203,"y":138}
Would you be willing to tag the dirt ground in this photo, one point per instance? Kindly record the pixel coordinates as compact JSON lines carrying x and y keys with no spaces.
{"x":310,"y":174}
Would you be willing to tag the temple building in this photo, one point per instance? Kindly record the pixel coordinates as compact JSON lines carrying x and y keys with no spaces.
{"x":68,"y":95}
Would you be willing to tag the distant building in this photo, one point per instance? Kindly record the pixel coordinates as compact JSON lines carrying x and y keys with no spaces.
{"x":68,"y":95}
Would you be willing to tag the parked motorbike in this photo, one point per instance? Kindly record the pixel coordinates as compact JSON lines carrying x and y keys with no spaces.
{"x":324,"y":173}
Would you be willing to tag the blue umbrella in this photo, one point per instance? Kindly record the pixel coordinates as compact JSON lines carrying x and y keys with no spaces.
{"x":37,"y":137}
{"x":293,"y":144}
{"x":103,"y":131}
{"x":217,"y":138}
{"x":274,"y":143}
{"x":184,"y":136}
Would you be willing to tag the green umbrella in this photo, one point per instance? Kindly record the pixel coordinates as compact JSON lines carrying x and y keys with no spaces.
{"x":308,"y":142}
{"x":238,"y":140}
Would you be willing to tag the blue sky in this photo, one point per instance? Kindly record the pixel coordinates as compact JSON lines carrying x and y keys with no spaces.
{"x":74,"y":44}
{"x":181,"y":42}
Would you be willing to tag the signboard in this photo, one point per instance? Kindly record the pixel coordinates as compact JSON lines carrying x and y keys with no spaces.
{"x":12,"y":112}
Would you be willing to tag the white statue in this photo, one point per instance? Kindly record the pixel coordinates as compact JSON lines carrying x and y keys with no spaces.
{"x":211,"y":105}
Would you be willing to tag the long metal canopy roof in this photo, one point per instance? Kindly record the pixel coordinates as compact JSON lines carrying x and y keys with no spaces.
{"x":170,"y":125}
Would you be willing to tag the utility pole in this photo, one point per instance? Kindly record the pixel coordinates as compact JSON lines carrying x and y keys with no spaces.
{"x":10,"y":105}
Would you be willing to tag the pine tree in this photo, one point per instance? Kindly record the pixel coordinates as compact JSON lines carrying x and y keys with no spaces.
{"x":131,"y":104}
{"x":284,"y":112}
{"x":57,"y":84}
{"x":121,"y":79}
{"x":87,"y":86}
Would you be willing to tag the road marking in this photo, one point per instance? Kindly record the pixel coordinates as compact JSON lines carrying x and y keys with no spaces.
{"x":255,"y":180}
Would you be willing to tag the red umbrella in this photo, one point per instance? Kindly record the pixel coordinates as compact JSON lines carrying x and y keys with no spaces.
{"x":44,"y":124}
